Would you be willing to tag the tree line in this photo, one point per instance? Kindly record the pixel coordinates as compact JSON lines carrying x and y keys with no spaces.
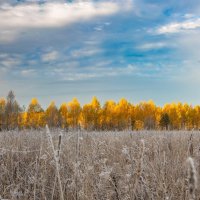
{"x":121,"y":115}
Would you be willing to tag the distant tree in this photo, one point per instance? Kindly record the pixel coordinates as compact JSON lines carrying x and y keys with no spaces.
{"x":86,"y":117}
{"x":63,"y":113}
{"x":35,"y":115}
{"x":34,"y":106}
{"x":139,"y":125}
{"x":109,"y":116}
{"x":22,"y":119}
{"x":123,"y":114}
{"x":174,"y":115}
{"x":52,"y":115}
{"x":74,"y":111}
{"x":2,"y":113}
{"x":112,"y":116}
{"x":96,"y":109}
{"x":132,"y":118}
{"x":165,"y":121}
{"x":12,"y":110}
{"x":90,"y":115}
{"x":149,"y":123}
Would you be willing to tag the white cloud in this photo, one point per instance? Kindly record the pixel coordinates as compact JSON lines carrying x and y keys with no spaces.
{"x":10,"y":61}
{"x":155,"y":45}
{"x":7,"y":36}
{"x":28,"y":72}
{"x":76,"y":74}
{"x":52,"y":14}
{"x":3,"y":55}
{"x":85,"y":52}
{"x":50,"y":56}
{"x":185,"y":65}
{"x":17,"y":19}
{"x":179,"y":26}
{"x":29,"y":17}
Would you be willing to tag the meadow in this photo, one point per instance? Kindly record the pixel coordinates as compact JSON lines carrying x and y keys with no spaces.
{"x":79,"y":165}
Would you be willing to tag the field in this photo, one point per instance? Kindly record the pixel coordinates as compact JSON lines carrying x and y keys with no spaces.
{"x":99,"y":165}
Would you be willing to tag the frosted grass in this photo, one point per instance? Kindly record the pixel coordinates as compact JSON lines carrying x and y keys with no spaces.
{"x":99,"y":165}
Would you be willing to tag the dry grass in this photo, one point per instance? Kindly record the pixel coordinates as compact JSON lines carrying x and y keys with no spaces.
{"x":102,"y":166}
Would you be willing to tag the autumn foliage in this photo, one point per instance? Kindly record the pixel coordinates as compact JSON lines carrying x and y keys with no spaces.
{"x":121,"y":115}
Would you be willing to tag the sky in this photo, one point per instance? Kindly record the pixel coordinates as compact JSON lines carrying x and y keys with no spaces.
{"x":136,"y":49}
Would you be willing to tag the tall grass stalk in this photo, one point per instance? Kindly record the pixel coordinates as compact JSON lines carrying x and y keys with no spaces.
{"x":56,"y":159}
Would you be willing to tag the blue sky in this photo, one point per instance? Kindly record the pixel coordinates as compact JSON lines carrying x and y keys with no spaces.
{"x":137,"y":49}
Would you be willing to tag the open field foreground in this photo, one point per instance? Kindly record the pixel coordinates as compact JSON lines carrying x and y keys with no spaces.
{"x":106,"y":165}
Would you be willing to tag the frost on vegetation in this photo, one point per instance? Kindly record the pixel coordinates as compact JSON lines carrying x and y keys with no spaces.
{"x":43,"y":157}
{"x":192,"y":178}
{"x":106,"y":172}
{"x":125,"y":150}
{"x":104,"y":165}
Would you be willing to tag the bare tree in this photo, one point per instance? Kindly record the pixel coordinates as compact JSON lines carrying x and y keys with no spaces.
{"x":12,"y":110}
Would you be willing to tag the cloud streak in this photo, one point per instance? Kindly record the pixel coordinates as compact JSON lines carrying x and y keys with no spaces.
{"x":151,"y":46}
{"x":176,"y":27}
{"x":50,"y":56}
